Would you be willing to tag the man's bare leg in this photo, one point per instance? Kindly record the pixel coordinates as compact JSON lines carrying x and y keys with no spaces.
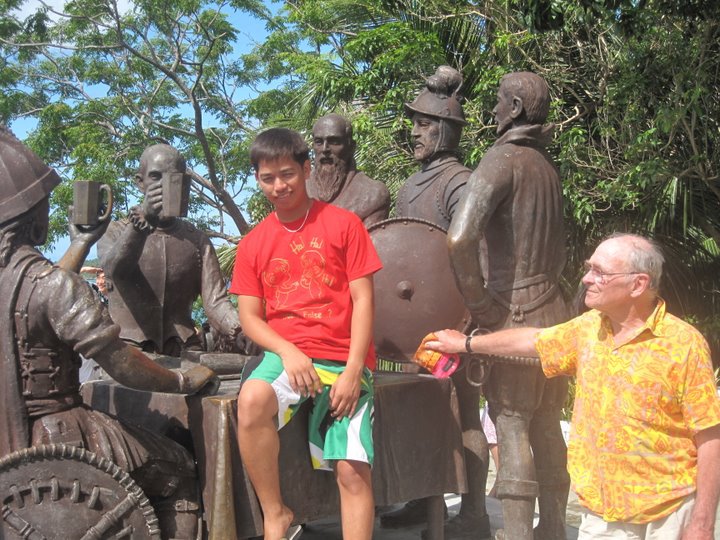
{"x":259,"y":448}
{"x":357,"y":504}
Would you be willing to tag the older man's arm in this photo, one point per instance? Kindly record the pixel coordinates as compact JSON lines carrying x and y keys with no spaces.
{"x":509,"y":342}
{"x":702,"y":521}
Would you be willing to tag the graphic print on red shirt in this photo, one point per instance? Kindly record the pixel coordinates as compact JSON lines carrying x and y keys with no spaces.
{"x":304,"y":277}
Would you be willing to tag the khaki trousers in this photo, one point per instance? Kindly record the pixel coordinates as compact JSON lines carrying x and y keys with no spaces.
{"x":671,"y":527}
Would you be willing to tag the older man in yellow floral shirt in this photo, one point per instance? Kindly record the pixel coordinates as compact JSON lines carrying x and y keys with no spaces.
{"x":644,"y":452}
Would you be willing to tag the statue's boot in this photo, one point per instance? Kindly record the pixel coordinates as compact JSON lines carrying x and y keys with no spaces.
{"x":179,"y":514}
{"x":518,"y":505}
{"x":465,"y":527}
{"x":552,"y":501}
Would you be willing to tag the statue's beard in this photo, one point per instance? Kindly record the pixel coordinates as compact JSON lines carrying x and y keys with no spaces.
{"x":330,"y":179}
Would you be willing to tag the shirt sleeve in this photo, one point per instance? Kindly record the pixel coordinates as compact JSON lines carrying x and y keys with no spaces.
{"x":699,"y":399}
{"x":558,"y":348}
{"x":245,"y":279}
{"x":76,"y":314}
{"x":361,"y":258}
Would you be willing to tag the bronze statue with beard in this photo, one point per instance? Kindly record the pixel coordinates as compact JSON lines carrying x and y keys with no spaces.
{"x":433,"y":194}
{"x":51,"y":317}
{"x":335,"y":179}
{"x":513,"y":201}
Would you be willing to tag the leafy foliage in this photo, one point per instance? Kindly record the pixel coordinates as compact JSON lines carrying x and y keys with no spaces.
{"x":634,"y":98}
{"x":102,"y":84}
{"x":634,"y":89}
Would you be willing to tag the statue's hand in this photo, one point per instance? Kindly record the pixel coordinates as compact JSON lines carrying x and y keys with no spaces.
{"x":86,"y":234}
{"x":199,"y":380}
{"x":489,"y":315}
{"x":245,"y":345}
{"x":152,"y":203}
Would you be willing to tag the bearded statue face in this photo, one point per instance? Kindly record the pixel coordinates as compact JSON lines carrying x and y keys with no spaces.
{"x":333,"y":148}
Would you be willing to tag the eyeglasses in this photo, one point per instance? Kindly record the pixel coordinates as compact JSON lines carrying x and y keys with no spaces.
{"x":602,"y":278}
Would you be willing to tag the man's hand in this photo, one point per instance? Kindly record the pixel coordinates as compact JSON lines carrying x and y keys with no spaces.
{"x":345,"y":393}
{"x":301,"y":373}
{"x":448,"y":341}
{"x":152,"y":203}
{"x":199,"y":380}
{"x":82,"y":239}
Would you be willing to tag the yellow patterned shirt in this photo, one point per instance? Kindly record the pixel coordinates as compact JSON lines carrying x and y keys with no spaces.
{"x":631,"y":454}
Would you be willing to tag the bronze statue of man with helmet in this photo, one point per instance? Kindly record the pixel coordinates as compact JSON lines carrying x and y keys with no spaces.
{"x":434,"y":191}
{"x":513,"y":202}
{"x":433,"y":194}
{"x":52,"y":316}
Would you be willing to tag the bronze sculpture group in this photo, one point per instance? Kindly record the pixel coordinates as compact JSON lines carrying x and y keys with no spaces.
{"x":433,"y":194}
{"x":504,"y":223}
{"x":53,"y":316}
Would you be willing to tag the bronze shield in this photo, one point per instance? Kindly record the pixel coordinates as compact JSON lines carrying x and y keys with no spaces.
{"x":415,"y":292}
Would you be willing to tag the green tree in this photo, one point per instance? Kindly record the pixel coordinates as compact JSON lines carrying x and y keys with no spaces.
{"x":634,"y":90}
{"x":103,"y":84}
{"x":634,"y":97}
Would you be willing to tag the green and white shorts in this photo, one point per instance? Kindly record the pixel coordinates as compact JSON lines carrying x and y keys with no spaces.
{"x":330,"y":439}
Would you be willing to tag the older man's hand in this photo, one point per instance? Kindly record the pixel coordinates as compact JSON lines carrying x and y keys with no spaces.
{"x":448,"y":341}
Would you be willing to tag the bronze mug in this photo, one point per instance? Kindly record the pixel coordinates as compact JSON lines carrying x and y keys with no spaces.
{"x":175,"y":195}
{"x":89,"y":205}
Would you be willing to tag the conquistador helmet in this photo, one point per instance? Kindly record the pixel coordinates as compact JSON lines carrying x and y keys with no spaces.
{"x":441,"y":100}
{"x":25,"y":179}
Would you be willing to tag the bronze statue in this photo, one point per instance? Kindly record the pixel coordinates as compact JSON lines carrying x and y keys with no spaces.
{"x":336,"y":180}
{"x":52,"y":316}
{"x":513,"y":201}
{"x":433,"y":194}
{"x":157,"y":264}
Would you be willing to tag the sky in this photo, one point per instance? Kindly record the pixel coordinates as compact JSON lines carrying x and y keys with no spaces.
{"x":251,"y":31}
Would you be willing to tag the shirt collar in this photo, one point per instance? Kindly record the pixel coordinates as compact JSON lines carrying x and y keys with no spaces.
{"x":654,"y":323}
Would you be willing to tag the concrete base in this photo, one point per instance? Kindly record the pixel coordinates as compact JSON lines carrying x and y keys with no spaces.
{"x":329,"y":529}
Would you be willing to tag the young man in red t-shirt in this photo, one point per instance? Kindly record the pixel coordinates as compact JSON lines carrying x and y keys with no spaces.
{"x":303,"y":277}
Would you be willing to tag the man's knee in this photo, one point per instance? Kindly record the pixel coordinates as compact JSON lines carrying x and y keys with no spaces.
{"x":353,"y":477}
{"x":256,"y":403}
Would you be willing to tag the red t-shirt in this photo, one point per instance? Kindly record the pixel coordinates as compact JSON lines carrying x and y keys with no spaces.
{"x":304,"y":277}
